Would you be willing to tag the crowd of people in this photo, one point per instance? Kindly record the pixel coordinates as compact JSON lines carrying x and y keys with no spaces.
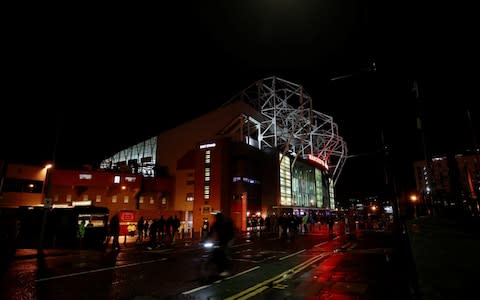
{"x":154,"y":232}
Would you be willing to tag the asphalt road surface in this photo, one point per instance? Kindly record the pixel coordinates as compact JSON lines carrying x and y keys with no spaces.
{"x":370,"y":265}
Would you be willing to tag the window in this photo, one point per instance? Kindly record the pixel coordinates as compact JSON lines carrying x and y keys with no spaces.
{"x":116,"y":179}
{"x":206,"y":209}
{"x":207,"y":174}
{"x":189,"y":197}
{"x":22,"y":186}
{"x":130,"y":178}
{"x":206,"y":192}
{"x":98,"y":198}
{"x":125,"y":199}
{"x":85,"y":176}
{"x":208,"y":156}
{"x":114,"y":199}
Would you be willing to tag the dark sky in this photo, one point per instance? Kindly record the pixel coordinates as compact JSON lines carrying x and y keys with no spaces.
{"x":97,"y":80}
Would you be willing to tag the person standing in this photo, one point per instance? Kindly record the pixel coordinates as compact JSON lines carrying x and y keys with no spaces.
{"x":175,"y":227}
{"x":140,"y":225}
{"x":115,"y":231}
{"x":81,"y":233}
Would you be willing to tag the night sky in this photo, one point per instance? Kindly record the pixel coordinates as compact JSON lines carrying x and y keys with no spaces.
{"x":84,"y":83}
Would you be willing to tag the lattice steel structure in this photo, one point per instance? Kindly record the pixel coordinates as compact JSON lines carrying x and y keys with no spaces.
{"x":288,"y":122}
{"x":138,"y":159}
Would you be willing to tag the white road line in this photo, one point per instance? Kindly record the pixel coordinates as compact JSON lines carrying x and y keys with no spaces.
{"x":99,"y":270}
{"x":321,"y":244}
{"x":293,"y":254}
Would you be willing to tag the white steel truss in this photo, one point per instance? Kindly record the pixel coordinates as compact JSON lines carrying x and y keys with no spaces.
{"x":138,"y":159}
{"x":289,"y":123}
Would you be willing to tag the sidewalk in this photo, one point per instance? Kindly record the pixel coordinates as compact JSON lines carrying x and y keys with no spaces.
{"x":445,"y":252}
{"x":125,"y":244}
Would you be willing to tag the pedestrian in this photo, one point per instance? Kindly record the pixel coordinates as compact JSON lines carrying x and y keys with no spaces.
{"x":140,"y":226}
{"x":175,"y":227}
{"x":115,"y":231}
{"x":81,"y":233}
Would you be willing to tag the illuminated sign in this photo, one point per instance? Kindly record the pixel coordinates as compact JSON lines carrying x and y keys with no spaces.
{"x":82,"y":203}
{"x":317,"y":160}
{"x":127,"y":216}
{"x":205,"y":146}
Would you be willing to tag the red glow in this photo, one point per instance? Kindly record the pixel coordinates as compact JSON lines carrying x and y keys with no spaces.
{"x":318,"y":161}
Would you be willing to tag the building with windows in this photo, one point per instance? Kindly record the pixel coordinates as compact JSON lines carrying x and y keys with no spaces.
{"x":265,"y":151}
{"x":449,"y":181}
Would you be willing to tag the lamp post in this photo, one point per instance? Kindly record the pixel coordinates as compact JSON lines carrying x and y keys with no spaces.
{"x":414,"y":199}
{"x":47,"y":203}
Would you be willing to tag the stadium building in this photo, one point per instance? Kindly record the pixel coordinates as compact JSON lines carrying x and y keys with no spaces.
{"x":266,"y":151}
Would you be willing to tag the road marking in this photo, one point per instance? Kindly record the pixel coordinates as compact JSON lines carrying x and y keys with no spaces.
{"x":280,"y":286}
{"x":230,"y":277}
{"x":321,"y":244}
{"x":260,"y":287}
{"x":99,"y":270}
{"x":293,"y":254}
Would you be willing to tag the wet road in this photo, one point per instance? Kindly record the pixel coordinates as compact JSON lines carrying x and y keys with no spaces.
{"x":370,"y":267}
{"x":312,"y":266}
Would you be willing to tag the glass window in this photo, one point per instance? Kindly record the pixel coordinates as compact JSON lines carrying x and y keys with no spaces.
{"x":85,"y":176}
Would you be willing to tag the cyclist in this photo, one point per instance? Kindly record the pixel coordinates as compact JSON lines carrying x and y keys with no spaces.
{"x":223,"y":231}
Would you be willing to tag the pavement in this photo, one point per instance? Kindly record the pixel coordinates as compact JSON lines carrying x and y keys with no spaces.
{"x":446,"y":253}
{"x":126,"y":244}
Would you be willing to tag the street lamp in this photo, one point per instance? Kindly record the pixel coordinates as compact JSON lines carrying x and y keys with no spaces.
{"x":414,"y":199}
{"x":47,"y":203}
{"x":46,"y":181}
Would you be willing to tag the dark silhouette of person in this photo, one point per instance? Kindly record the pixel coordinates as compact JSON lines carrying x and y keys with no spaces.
{"x":223,"y":231}
{"x":115,"y":231}
{"x":140,"y":227}
{"x":162,"y":223}
{"x":175,"y":227}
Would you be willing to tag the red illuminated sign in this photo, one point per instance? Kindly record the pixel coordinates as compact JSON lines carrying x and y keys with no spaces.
{"x":318,"y":161}
{"x":127,"y":216}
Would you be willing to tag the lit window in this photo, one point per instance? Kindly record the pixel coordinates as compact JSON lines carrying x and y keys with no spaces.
{"x":141,"y":199}
{"x":207,"y":157}
{"x":116,"y":179}
{"x":125,"y":199}
{"x":114,"y":199}
{"x":207,"y":174}
{"x":206,"y":192}
{"x":190,"y":197}
{"x":98,"y":198}
{"x":130,"y":179}
{"x":85,"y":176}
